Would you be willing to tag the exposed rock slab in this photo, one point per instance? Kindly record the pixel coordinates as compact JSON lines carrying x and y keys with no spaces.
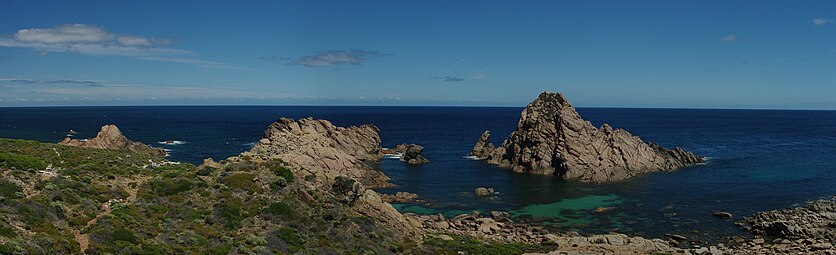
{"x":110,"y":137}
{"x":552,"y":139}
{"x":815,"y":220}
{"x":318,"y":148}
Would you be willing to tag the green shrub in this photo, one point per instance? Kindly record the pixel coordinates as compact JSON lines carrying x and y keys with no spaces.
{"x":122,"y":234}
{"x":283,"y":172}
{"x":21,"y":162}
{"x":7,"y":231}
{"x":9,"y":189}
{"x":279,"y":209}
{"x":292,"y":238}
{"x":243,"y":181}
{"x":168,"y":187}
{"x":230,"y":213}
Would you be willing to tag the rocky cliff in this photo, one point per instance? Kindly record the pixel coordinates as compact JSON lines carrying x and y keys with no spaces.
{"x":332,"y":158}
{"x":109,"y":137}
{"x":320,"y":149}
{"x":552,"y":139}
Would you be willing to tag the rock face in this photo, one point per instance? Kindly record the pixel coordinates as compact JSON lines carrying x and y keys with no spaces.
{"x":816,"y":220}
{"x":552,"y":139}
{"x":483,"y":149}
{"x":412,"y":155}
{"x":109,"y":137}
{"x":335,"y":159}
{"x":323,"y":150}
{"x":409,"y":153}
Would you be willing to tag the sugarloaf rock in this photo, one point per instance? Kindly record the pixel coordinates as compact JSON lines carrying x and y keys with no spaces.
{"x":552,"y":139}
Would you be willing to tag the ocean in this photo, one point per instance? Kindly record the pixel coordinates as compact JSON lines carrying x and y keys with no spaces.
{"x":757,"y":159}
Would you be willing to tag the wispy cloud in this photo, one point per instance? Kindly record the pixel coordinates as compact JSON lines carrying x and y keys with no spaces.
{"x":201,"y":63}
{"x":93,"y":40}
{"x":729,"y":38}
{"x":448,"y":78}
{"x":480,"y":75}
{"x":91,"y":83}
{"x":273,"y":58}
{"x":337,"y":57}
{"x":822,"y":21}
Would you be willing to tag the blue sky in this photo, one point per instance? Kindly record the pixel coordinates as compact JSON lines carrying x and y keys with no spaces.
{"x":684,"y":54}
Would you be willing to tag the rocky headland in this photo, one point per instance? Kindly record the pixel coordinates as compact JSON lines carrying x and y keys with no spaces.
{"x":110,"y":137}
{"x":332,"y":158}
{"x":552,"y":139}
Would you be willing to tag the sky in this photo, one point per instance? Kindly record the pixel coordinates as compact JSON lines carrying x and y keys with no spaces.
{"x":655,"y":54}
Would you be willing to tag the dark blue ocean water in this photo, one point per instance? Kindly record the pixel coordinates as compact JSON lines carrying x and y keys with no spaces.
{"x":758,"y":159}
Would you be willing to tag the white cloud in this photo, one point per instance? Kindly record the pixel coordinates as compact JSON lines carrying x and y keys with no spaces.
{"x":822,"y":21}
{"x":337,"y":57}
{"x":729,"y":38}
{"x":133,"y":40}
{"x":70,"y":33}
{"x":93,"y":40}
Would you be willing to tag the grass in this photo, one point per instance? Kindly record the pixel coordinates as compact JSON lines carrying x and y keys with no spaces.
{"x":21,"y":162}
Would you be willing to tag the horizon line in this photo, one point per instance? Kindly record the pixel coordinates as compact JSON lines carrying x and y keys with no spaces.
{"x":428,"y":106}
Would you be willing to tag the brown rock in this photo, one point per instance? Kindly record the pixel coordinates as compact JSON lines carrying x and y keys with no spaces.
{"x":318,"y":148}
{"x":552,"y":139}
{"x":483,"y":148}
{"x":109,"y":137}
{"x":722,"y":215}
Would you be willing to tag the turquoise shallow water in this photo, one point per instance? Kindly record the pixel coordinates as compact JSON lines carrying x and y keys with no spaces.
{"x":759,"y":160}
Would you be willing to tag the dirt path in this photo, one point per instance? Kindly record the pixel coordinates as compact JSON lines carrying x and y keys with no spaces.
{"x":84,"y":239}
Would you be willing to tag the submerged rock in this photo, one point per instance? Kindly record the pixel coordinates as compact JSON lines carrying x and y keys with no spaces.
{"x":722,"y":215}
{"x":110,"y":137}
{"x":485,"y":192}
{"x":552,"y":139}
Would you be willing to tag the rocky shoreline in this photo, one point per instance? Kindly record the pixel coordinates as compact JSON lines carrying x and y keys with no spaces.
{"x":330,"y":162}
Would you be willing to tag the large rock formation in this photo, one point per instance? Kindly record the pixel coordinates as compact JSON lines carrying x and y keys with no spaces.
{"x":333,"y":158}
{"x":552,"y":139}
{"x":109,"y":137}
{"x":321,"y":149}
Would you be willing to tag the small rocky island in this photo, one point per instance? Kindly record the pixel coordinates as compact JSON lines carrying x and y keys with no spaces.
{"x":409,"y":153}
{"x":110,"y":137}
{"x":552,"y":139}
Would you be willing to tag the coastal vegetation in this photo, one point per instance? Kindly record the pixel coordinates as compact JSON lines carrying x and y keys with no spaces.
{"x":121,"y":202}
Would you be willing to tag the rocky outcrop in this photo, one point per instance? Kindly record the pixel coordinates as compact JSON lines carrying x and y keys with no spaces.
{"x":109,"y":137}
{"x":322,"y":150}
{"x":413,"y":156}
{"x":815,"y":220}
{"x":399,"y":197}
{"x":409,"y":153}
{"x":552,"y":139}
{"x":334,"y":159}
{"x":483,"y":149}
{"x":484,"y":192}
